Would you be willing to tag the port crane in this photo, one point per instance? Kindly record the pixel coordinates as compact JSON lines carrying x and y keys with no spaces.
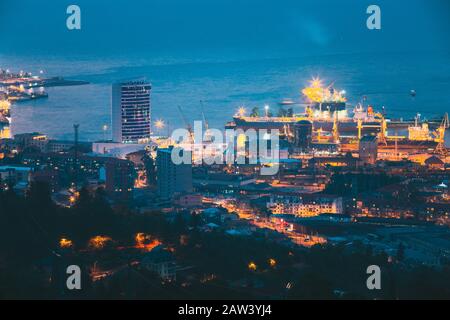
{"x":439,"y":135}
{"x":187,"y":124}
{"x":383,"y":132}
{"x":203,"y":116}
{"x":205,"y":122}
{"x":336,"y":127}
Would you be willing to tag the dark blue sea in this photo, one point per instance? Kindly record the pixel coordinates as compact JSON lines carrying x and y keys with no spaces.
{"x":225,"y":84}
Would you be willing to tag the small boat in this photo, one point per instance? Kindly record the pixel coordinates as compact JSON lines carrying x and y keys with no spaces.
{"x":413,"y":93}
{"x":286,"y":102}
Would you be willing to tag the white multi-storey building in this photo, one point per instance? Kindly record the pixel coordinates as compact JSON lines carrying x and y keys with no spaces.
{"x":305,"y":206}
{"x":131,"y":111}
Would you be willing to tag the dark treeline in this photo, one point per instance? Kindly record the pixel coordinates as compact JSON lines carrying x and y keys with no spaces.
{"x":350,"y":184}
{"x":217,"y":265}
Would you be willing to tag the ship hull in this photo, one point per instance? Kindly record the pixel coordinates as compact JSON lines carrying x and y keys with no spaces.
{"x":345,"y":127}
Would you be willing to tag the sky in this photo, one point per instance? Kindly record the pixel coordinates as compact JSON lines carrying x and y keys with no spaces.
{"x":222,"y":27}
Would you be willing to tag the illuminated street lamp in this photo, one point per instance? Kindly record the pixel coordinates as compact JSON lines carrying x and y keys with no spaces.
{"x":65,"y":243}
{"x":252,"y":266}
{"x":241,"y":111}
{"x":272,"y":262}
{"x":316,"y":82}
{"x":104,"y":128}
{"x":159,"y":124}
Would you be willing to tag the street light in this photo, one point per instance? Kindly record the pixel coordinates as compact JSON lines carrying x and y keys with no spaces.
{"x":241,"y":111}
{"x":272,"y":262}
{"x":159,"y":124}
{"x":104,"y":128}
{"x":252,"y":266}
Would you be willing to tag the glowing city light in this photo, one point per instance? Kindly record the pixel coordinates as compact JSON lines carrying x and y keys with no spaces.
{"x":65,"y":243}
{"x":252,"y":266}
{"x":145,"y":241}
{"x":266,"y":109}
{"x":272,"y":262}
{"x":241,"y":111}
{"x":316,"y":82}
{"x":99,"y":242}
{"x":316,"y":92}
{"x":159,"y":124}
{"x":5,"y":105}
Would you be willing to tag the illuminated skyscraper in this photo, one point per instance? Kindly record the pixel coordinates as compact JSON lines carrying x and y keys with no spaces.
{"x":131,"y":111}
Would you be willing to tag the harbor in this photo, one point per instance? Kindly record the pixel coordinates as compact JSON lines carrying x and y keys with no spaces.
{"x":21,"y":87}
{"x":268,"y":152}
{"x":329,"y":125}
{"x":24,"y":86}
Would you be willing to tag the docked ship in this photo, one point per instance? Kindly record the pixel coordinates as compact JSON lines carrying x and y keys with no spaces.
{"x":20,"y":94}
{"x":327,"y":110}
{"x":328,"y":124}
{"x":286,"y":102}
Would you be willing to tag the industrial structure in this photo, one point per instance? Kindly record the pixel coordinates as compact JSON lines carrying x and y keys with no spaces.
{"x":329,"y":124}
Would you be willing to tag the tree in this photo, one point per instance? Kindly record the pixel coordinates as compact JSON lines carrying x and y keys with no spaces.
{"x":400,"y":252}
{"x":290,"y":112}
{"x":84,"y":200}
{"x":255,"y":112}
{"x":150,"y":171}
{"x":39,"y":195}
{"x":282,"y":112}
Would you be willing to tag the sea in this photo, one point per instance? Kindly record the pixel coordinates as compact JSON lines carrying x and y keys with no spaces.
{"x":222,"y":85}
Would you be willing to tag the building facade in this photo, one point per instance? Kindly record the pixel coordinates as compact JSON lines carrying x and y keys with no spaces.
{"x":172,"y":178}
{"x":368,"y":149}
{"x":131,"y":111}
{"x":305,"y":206}
{"x":303,"y":134}
{"x":120,"y":177}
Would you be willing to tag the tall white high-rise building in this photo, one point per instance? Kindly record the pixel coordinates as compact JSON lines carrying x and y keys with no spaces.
{"x":131,"y":111}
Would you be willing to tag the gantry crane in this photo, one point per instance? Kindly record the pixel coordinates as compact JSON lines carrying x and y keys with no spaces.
{"x":188,"y":125}
{"x":439,"y":135}
{"x":205,"y":122}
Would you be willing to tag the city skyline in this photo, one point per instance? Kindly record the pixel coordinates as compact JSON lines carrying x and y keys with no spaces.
{"x":258,"y":153}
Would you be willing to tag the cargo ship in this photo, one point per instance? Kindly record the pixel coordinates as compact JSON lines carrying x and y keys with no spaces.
{"x":26,"y":95}
{"x":326,"y":108}
{"x":328,"y":124}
